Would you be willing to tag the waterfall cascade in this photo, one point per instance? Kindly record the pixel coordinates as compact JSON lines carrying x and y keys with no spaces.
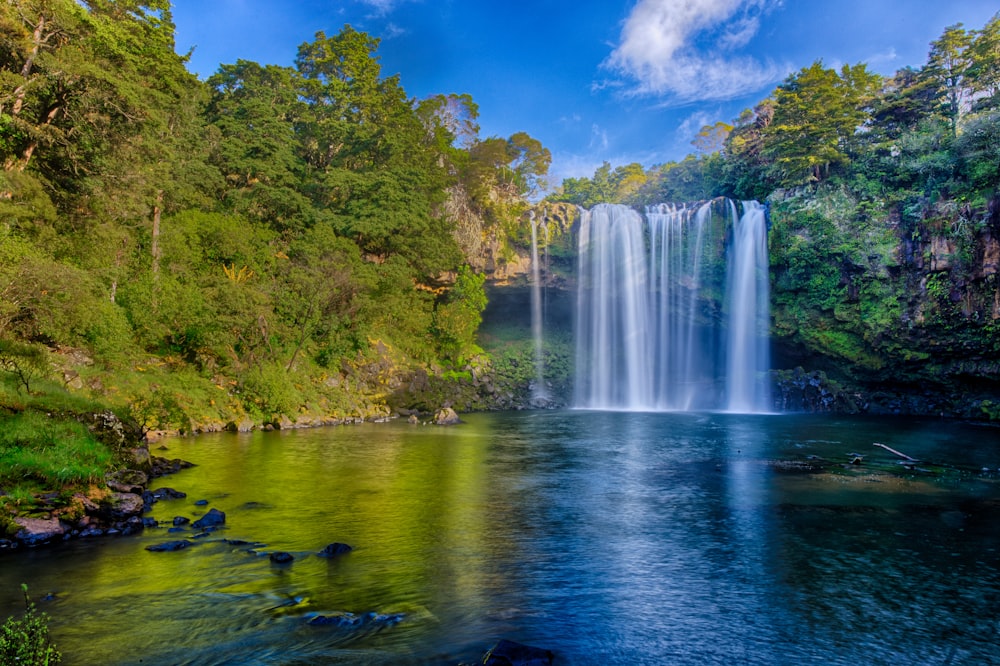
{"x":539,"y":394}
{"x":649,"y":334}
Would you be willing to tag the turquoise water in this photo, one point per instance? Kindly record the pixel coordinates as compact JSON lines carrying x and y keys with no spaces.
{"x":608,"y":538}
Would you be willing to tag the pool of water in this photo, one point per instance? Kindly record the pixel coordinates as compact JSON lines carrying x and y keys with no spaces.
{"x":608,"y":538}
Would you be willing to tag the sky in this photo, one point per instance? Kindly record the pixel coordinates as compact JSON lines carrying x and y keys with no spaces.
{"x":594,"y":80}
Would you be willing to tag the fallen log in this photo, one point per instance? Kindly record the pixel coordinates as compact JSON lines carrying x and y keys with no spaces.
{"x":892,"y":450}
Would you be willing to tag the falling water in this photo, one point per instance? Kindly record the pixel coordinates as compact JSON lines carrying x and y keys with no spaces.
{"x":677,"y":239}
{"x":614,"y":333}
{"x":538,"y":393}
{"x":748,"y":357}
{"x":647,"y":336}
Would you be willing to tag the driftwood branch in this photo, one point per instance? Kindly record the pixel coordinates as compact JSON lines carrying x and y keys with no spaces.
{"x":892,"y":450}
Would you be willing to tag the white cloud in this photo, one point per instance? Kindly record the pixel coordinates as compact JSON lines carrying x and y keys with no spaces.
{"x":382,"y":7}
{"x":393,"y":30}
{"x":884,"y":60}
{"x":684,"y":50}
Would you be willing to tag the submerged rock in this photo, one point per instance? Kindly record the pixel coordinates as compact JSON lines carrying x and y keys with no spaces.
{"x":169,"y":546}
{"x":371,"y":621}
{"x":335,"y":549}
{"x":281,"y":557}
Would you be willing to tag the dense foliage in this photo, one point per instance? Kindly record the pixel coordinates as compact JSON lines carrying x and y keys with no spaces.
{"x":243,"y":247}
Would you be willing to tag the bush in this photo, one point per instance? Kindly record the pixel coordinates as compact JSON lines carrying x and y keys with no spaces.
{"x":26,"y":641}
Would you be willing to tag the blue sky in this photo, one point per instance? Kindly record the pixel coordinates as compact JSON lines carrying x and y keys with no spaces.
{"x":593,"y":80}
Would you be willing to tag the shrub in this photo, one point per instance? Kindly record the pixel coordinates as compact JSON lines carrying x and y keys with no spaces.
{"x":26,"y":641}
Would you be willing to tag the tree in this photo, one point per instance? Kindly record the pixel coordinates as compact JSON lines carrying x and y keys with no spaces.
{"x":256,"y":110}
{"x":454,"y":116}
{"x":947,"y":67}
{"x":907,"y":98}
{"x":748,"y":172}
{"x":458,"y":315}
{"x":712,"y":138}
{"x":984,"y":64}
{"x":816,"y":114}
{"x":38,"y":79}
{"x":369,"y":164}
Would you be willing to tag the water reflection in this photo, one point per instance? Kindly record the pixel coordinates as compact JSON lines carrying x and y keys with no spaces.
{"x":608,"y":538}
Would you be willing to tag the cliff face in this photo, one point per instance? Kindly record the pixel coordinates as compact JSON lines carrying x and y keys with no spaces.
{"x":893,"y":312}
{"x":506,"y":259}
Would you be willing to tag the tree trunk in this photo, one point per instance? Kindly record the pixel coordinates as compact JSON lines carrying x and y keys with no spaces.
{"x":29,"y":63}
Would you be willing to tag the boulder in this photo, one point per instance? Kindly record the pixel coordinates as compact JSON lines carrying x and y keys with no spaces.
{"x":213,"y":518}
{"x":169,"y":546}
{"x":446,"y":416}
{"x":335,"y":549}
{"x":127,"y":481}
{"x":510,"y":653}
{"x":181,"y":520}
{"x":37,"y":531}
{"x":122,"y":506}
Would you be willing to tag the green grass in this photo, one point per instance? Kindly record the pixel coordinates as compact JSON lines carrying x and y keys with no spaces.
{"x":36,"y":448}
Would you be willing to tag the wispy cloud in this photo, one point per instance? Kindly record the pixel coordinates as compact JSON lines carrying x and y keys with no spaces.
{"x":393,"y":30}
{"x":382,"y":7}
{"x":688,"y":50}
{"x":885,"y":59}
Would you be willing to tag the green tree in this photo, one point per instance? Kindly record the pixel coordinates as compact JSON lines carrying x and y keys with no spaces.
{"x":458,"y":315}
{"x":817,"y":112}
{"x":712,"y":138}
{"x":255,"y":111}
{"x":984,"y":64}
{"x":370,"y":165}
{"x":747,"y":172}
{"x":947,"y":68}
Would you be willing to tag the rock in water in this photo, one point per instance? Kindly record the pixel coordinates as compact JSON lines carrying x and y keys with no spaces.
{"x":509,"y":653}
{"x":335,"y":549}
{"x":281,"y":557}
{"x":213,"y":518}
{"x":446,"y":416}
{"x":169,"y":546}
{"x":36,"y":531}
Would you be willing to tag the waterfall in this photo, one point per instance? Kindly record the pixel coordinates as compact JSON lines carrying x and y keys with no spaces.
{"x":748,"y":354}
{"x":614,"y":334}
{"x":539,"y":394}
{"x":647,"y":333}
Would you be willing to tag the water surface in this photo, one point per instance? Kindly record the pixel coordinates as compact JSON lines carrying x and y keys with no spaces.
{"x":607,"y":538}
